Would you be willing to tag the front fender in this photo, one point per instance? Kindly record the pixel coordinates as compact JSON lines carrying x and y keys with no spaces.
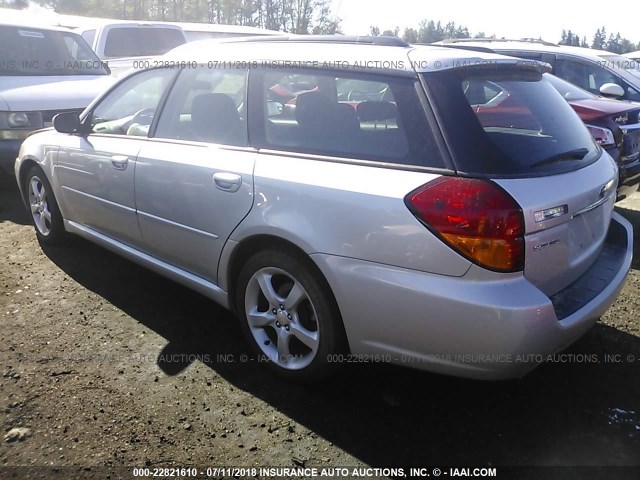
{"x":41,"y":149}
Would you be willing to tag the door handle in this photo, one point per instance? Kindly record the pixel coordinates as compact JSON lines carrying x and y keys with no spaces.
{"x":229,"y":182}
{"x":119,"y":162}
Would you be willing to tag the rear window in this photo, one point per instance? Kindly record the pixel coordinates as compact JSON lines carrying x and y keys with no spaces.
{"x":141,"y":41}
{"x":34,"y":51}
{"x":509,"y":122}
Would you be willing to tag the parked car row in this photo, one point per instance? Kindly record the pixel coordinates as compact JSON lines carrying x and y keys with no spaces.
{"x":48,"y":69}
{"x":458,"y":220}
{"x":125,"y":44}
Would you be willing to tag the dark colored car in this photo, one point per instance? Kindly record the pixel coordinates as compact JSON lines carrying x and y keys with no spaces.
{"x":614,"y":124}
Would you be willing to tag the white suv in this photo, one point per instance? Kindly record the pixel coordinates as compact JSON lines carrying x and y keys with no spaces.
{"x":126,"y":44}
{"x":44,"y":71}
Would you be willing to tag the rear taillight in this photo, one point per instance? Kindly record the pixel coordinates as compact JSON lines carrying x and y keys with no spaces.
{"x":603,"y":136}
{"x":476,"y":218}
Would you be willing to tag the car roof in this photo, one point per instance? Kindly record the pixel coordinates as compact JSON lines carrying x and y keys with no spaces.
{"x":219,"y":28}
{"x":529,"y":46}
{"x":335,"y":52}
{"x":92,"y":23}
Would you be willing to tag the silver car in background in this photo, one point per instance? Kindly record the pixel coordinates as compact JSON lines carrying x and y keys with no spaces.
{"x":436,"y":208}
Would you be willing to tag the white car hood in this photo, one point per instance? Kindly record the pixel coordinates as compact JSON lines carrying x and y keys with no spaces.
{"x":37,"y":93}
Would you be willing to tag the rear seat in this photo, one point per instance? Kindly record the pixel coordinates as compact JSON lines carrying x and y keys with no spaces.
{"x":326,"y":125}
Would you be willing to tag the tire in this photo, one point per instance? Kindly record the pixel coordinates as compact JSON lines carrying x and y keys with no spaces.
{"x":43,"y":207}
{"x":289,"y":316}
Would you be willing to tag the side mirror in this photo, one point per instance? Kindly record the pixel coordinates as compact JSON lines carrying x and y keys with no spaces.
{"x":67,"y":122}
{"x":274,"y":109}
{"x":612,"y":90}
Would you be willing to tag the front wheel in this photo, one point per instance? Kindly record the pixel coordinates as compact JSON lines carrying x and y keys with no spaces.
{"x":45,"y":214}
{"x":289,"y":315}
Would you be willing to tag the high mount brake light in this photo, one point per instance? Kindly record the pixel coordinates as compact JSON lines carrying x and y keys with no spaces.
{"x":477,"y":218}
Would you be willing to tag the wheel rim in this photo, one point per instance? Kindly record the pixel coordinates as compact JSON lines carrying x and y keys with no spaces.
{"x":282,"y":318}
{"x":39,"y":204}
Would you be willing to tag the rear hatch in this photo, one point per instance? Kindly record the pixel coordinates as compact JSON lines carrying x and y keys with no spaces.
{"x":506,"y":124}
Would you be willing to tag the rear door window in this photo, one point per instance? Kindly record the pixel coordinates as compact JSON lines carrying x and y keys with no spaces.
{"x":509,"y":122}
{"x":352,"y":115}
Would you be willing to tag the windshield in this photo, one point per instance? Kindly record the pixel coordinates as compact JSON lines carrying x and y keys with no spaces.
{"x":141,"y":41}
{"x":568,"y":90}
{"x":34,"y":51}
{"x":509,"y":122}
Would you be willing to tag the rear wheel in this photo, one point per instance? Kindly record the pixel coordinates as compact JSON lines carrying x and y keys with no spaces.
{"x":289,"y":315}
{"x":45,"y":214}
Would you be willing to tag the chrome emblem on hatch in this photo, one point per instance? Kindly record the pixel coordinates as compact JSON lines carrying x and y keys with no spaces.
{"x":622,"y":119}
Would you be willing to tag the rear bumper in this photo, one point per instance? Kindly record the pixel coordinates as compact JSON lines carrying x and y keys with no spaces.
{"x":470,"y":326}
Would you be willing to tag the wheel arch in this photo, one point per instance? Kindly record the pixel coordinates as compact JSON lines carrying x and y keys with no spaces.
{"x":249,"y":246}
{"x":25,"y":166}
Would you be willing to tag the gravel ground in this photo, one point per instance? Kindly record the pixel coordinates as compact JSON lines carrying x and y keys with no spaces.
{"x":104,"y":364}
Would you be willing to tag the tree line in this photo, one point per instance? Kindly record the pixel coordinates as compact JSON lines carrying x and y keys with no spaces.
{"x":429,"y":31}
{"x":293,"y":16}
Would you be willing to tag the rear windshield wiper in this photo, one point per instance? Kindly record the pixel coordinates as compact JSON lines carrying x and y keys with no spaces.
{"x":577,"y":154}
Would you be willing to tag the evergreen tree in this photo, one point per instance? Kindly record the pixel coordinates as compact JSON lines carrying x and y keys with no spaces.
{"x":410,"y":35}
{"x":599,"y":39}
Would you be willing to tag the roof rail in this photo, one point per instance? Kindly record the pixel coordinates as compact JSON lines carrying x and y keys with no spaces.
{"x":489,"y":40}
{"x":362,"y":40}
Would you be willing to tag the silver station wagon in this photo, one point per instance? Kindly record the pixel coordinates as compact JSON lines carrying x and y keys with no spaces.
{"x":437,"y":208}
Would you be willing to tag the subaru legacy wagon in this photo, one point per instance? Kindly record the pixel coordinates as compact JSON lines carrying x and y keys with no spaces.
{"x":387,"y":205}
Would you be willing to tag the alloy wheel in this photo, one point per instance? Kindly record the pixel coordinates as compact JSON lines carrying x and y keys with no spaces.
{"x":282,"y":318}
{"x":39,"y":205}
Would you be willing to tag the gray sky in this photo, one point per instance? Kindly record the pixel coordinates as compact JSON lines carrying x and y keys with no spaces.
{"x":511,"y":19}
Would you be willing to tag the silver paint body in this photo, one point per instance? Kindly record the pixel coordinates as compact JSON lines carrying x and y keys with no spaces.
{"x":182,"y":208}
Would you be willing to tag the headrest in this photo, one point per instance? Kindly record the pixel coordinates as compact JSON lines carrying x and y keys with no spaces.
{"x":377,"y":111}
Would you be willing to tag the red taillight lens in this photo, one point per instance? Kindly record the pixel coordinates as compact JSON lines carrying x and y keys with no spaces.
{"x":475,"y":217}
